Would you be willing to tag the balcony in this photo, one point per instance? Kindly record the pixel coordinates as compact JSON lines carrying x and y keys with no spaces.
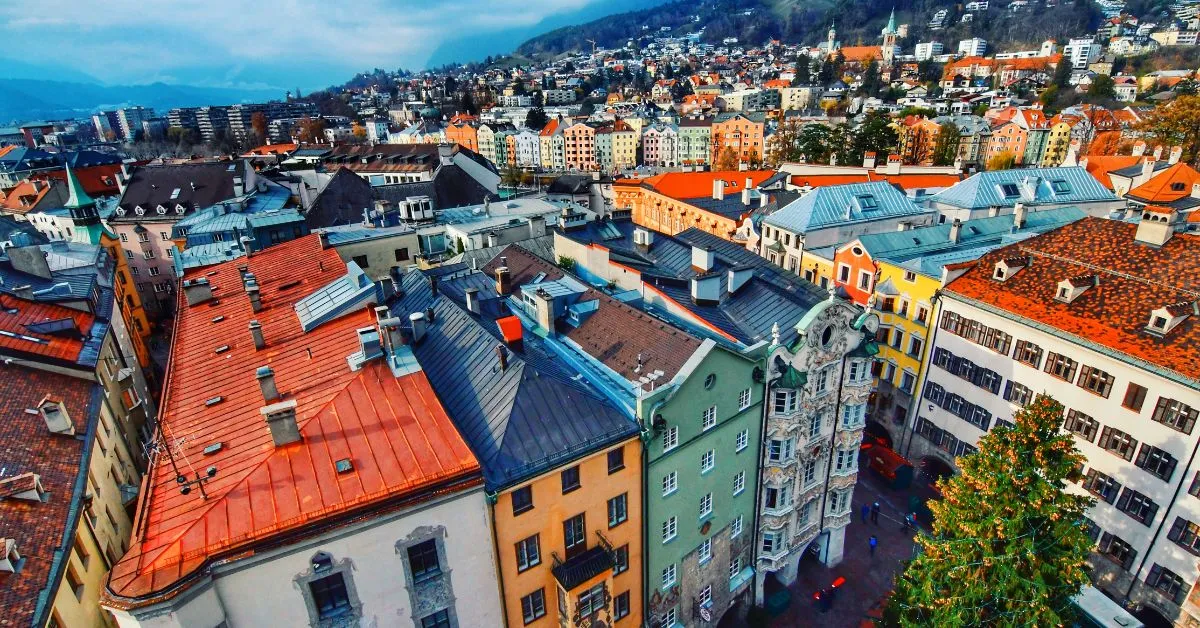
{"x":582,"y":567}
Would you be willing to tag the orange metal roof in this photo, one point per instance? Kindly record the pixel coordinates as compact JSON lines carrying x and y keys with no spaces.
{"x":45,"y":345}
{"x":272,"y":149}
{"x":393,"y":429}
{"x":1159,"y":188}
{"x":510,"y":328}
{"x":912,"y":181}
{"x":684,"y":185}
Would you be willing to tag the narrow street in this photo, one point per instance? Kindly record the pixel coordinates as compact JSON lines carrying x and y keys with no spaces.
{"x":868,"y":579}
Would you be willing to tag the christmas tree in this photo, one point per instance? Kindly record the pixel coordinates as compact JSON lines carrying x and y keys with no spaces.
{"x":1008,"y":543}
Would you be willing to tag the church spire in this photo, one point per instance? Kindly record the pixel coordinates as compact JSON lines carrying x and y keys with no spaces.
{"x":891,"y":25}
{"x":76,"y":196}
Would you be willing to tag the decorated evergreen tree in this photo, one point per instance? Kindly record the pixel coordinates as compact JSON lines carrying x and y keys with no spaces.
{"x":1008,"y":543}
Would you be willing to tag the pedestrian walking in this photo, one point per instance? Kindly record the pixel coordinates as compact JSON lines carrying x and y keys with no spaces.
{"x":866,"y":510}
{"x":875,"y":513}
{"x":873,"y":542}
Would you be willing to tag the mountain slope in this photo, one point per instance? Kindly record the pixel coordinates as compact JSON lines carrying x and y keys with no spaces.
{"x":26,"y":99}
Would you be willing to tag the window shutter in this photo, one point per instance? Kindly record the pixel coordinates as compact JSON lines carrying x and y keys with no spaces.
{"x":1008,"y":391}
{"x":1154,"y":575}
{"x":1170,"y":472}
{"x":1177,"y":529}
{"x":1150,"y":512}
{"x":1123,"y":501}
{"x":1142,"y":455}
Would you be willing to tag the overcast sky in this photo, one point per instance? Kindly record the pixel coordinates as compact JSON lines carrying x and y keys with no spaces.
{"x":234,"y":43}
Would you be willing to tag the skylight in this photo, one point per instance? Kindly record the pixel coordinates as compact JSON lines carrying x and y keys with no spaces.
{"x":1060,"y":186}
{"x":867,"y":201}
{"x":1010,"y":190}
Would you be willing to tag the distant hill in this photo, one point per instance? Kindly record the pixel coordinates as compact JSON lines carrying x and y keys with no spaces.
{"x":858,"y":22}
{"x":24,"y":99}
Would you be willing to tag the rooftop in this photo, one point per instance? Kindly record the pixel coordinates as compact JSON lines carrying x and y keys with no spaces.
{"x":841,"y":204}
{"x":999,"y":188}
{"x":1134,"y":280}
{"x":262,"y":491}
{"x":191,"y":186}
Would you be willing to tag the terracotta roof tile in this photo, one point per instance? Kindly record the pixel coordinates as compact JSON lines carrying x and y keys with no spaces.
{"x":1135,"y":280}
{"x":21,"y":339}
{"x":260,"y":490}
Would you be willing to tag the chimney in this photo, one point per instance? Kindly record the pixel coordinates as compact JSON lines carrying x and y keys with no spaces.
{"x":324,"y":237}
{"x":955,"y":230}
{"x":502,"y":355}
{"x":544,"y":306}
{"x":738,"y":277}
{"x":255,"y":297}
{"x":1156,"y":225}
{"x":869,"y":160}
{"x":472,"y":295}
{"x":1139,"y":148}
{"x":417,"y":320}
{"x":993,"y":211}
{"x":266,"y":382}
{"x":503,"y":279}
{"x":893,"y":165}
{"x":56,"y":417}
{"x":257,"y":334}
{"x":1019,"y":216}
{"x":281,"y":419}
{"x":1176,"y":153}
{"x":1158,"y":152}
{"x":197,"y":291}
{"x":746,"y":196}
{"x":903,"y":225}
{"x":703,"y":258}
{"x":1196,"y":190}
{"x":239,"y":187}
{"x":1147,"y":170}
{"x":718,"y":189}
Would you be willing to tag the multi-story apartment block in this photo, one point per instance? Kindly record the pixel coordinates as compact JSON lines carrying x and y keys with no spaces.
{"x":211,"y":121}
{"x":529,"y":149}
{"x":283,"y":491}
{"x":741,"y":133}
{"x":695,"y":141}
{"x":660,"y":146}
{"x":985,"y":193}
{"x":1080,"y":52}
{"x":486,"y":134}
{"x":716,"y":202}
{"x":1100,"y":315}
{"x":925,"y":51}
{"x":553,"y":145}
{"x":974,"y":47}
{"x":130,"y":120}
{"x":579,"y":147}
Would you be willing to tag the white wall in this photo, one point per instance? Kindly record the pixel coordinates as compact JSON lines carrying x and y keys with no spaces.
{"x":259,"y":591}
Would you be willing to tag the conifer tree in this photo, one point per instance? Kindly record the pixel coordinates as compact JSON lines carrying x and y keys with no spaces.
{"x":1008,"y":543}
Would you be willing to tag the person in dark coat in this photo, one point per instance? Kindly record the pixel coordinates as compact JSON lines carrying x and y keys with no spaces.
{"x":875,"y":513}
{"x":866,"y":511}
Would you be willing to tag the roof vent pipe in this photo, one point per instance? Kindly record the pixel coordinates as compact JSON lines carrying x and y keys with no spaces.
{"x":255,"y":297}
{"x":266,"y":382}
{"x":417,"y":319}
{"x":256,"y":333}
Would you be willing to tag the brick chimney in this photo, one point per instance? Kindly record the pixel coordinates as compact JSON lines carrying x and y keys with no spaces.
{"x":503,"y":279}
{"x":955,"y":230}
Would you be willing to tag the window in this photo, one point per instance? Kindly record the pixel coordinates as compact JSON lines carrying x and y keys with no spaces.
{"x":75,"y":583}
{"x":772,"y":542}
{"x":784,"y":402}
{"x":1175,"y":415}
{"x":330,"y":597}
{"x":1095,"y":380}
{"x":670,"y":483}
{"x":529,"y":553}
{"x":1155,"y":461}
{"x":846,"y":459}
{"x":621,"y":605}
{"x":423,"y":560}
{"x":777,"y":498}
{"x":706,"y":505}
{"x":709,"y":418}
{"x":618,"y":510}
{"x":148,"y":255}
{"x":897,"y":339}
{"x":1018,"y":394}
{"x":864,"y":280}
{"x":858,"y":371}
{"x":843,"y":273}
{"x":780,"y":450}
{"x":621,"y":560}
{"x":743,"y":440}
{"x":668,"y":619}
{"x":976,"y":332}
{"x":575,"y":535}
{"x":1137,"y":505}
{"x":591,"y":601}
{"x":129,"y":255}
{"x":1186,"y":534}
{"x":705,"y":551}
{"x":739,"y":483}
{"x":814,"y":426}
{"x":1081,"y":424}
{"x":1010,"y":190}
{"x":669,"y":529}
{"x":922,"y":316}
{"x":907,"y":381}
{"x":402,"y":255}
{"x":1060,"y":187}
{"x":1116,"y":549}
{"x":361,"y":260}
{"x":1061,"y":367}
{"x":533,"y":606}
{"x":154,"y":271}
{"x":708,"y":460}
{"x":668,"y":576}
{"x":1117,"y":442}
{"x":522,"y":500}
{"x":1194,"y":489}
{"x":915,"y":345}
{"x":706,"y":596}
{"x":736,"y":528}
{"x":616,"y":460}
{"x":810,"y":473}
{"x":1101,"y":485}
{"x":839,"y":502}
{"x":125,"y":238}
{"x":570,"y":479}
{"x":671,"y":438}
{"x":744,"y":399}
{"x":1135,"y":396}
{"x":1167,"y":583}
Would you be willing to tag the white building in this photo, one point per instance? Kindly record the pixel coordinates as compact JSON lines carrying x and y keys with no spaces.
{"x":529,"y":149}
{"x":928,"y":50}
{"x":1100,"y":315}
{"x":1081,"y":51}
{"x":130,"y":120}
{"x":558,"y":96}
{"x":974,"y":47}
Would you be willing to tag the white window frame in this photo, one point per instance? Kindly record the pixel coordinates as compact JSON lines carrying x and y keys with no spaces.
{"x":708,"y":460}
{"x":743,"y":440}
{"x":670,"y":438}
{"x":739,"y":483}
{"x":708,"y":419}
{"x":668,"y":576}
{"x":706,"y":505}
{"x":737,"y":526}
{"x":670,"y":483}
{"x":744,"y":399}
{"x":670,"y":529}
{"x":705,"y":550}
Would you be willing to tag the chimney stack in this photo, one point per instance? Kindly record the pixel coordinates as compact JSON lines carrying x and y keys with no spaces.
{"x":266,"y":382}
{"x":1019,"y":216}
{"x":256,"y":333}
{"x":718,"y":189}
{"x":1158,"y":152}
{"x":239,"y":187}
{"x":869,"y":160}
{"x":472,"y":295}
{"x":703,"y":258}
{"x":1139,"y":148}
{"x":324,"y":237}
{"x":502,"y":354}
{"x":1147,"y":170}
{"x":955,"y":230}
{"x":255,"y":297}
{"x":55,"y":415}
{"x":1176,"y":153}
{"x":417,"y":320}
{"x":281,"y":420}
{"x":503,"y":279}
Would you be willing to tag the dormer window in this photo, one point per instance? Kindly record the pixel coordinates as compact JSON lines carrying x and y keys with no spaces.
{"x":139,"y":210}
{"x":1164,"y":319}
{"x":1071,"y":289}
{"x":1010,"y":190}
{"x":10,"y":561}
{"x":26,"y":487}
{"x":161,"y":210}
{"x":1060,"y":186}
{"x":867,"y":202}
{"x":1006,"y":268}
{"x":179,"y":209}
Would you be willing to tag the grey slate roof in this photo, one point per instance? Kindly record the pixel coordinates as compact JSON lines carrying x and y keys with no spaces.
{"x":1033,"y":185}
{"x":844,"y":204}
{"x":521,"y":421}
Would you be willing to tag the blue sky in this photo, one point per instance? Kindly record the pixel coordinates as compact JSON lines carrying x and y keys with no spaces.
{"x":279,"y":44}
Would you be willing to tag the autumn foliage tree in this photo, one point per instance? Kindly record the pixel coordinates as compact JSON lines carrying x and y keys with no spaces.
{"x":1002,"y":161}
{"x":1008,"y":544}
{"x":726,"y":160}
{"x":1176,"y":124}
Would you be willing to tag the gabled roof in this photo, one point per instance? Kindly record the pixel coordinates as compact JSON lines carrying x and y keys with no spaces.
{"x":1034,"y":185}
{"x":263,"y":493}
{"x":1101,"y":166}
{"x":842,"y":204}
{"x":18,"y":321}
{"x":171,"y":185}
{"x":1173,"y":186}
{"x":1134,"y":280}
{"x":691,"y":185}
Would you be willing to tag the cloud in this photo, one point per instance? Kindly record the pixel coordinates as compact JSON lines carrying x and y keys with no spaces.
{"x":311,"y":43}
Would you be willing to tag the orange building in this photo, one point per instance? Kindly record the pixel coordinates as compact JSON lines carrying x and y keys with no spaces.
{"x":579,"y":147}
{"x":462,"y":131}
{"x":672,"y":202}
{"x":917,"y":139}
{"x":740,"y":132}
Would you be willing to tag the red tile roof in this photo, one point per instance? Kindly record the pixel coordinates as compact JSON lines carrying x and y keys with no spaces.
{"x":683,"y":185}
{"x":96,"y":180}
{"x":272,"y":149}
{"x":58,"y":347}
{"x":26,"y":446}
{"x":912,"y":181}
{"x":260,"y":490}
{"x":1135,"y":280}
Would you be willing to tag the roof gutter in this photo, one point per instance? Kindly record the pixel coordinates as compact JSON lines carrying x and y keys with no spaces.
{"x":62,"y":555}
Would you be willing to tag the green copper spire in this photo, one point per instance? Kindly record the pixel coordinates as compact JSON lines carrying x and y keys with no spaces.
{"x":77,"y":198}
{"x":891,"y":27}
